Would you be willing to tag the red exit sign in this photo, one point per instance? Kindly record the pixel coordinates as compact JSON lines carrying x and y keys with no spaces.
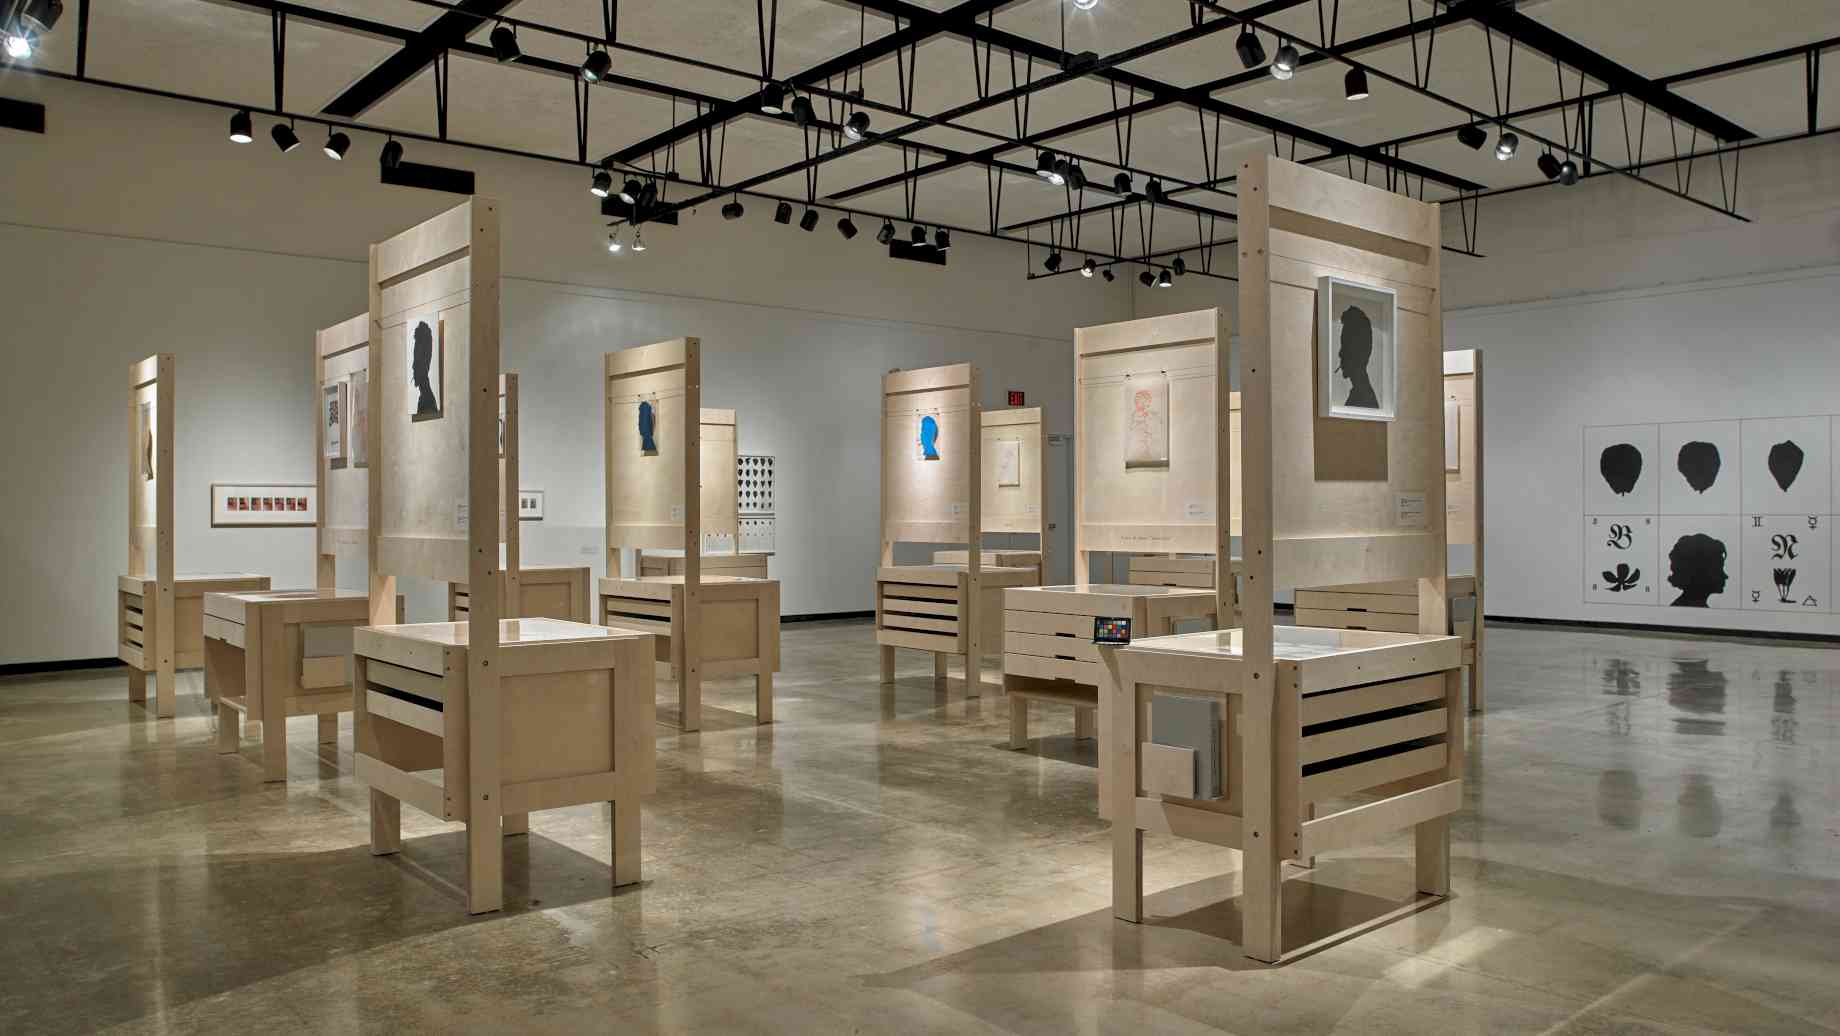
{"x":1016,"y":397}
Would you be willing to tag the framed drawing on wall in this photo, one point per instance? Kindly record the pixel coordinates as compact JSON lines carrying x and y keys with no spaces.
{"x":530,"y":505}
{"x":1146,"y":420}
{"x":426,"y":363}
{"x":1357,"y":350}
{"x":264,"y":504}
{"x":334,"y":414}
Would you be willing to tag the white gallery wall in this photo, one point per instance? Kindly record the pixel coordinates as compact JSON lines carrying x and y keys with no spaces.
{"x":231,"y":257}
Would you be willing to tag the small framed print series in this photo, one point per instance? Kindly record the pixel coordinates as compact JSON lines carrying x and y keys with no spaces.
{"x":530,"y":505}
{"x":264,"y":504}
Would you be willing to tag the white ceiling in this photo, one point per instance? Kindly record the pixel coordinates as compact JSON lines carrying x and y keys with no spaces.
{"x":221,"y":50}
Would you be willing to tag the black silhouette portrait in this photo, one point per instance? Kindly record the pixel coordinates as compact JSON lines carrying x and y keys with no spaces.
{"x":1357,"y":348}
{"x":147,"y":442}
{"x":1696,"y":567}
{"x":648,"y":425}
{"x":1621,"y":466}
{"x":1785,"y":463}
{"x":423,"y":373}
{"x":1699,"y":465}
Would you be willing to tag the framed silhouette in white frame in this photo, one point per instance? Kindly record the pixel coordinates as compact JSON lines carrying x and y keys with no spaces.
{"x":1357,"y":350}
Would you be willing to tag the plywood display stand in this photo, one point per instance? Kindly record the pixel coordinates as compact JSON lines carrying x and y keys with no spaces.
{"x":1019,"y":507}
{"x":159,"y":625}
{"x":706,"y":625}
{"x":947,"y":609}
{"x":1048,"y":654}
{"x":273,"y":655}
{"x":484,"y":721}
{"x":1311,"y":717}
{"x":1394,"y":605}
{"x":527,"y":591}
{"x":719,"y":445}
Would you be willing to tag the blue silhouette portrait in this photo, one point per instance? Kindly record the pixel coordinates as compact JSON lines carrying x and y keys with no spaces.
{"x":929,"y":438}
{"x":648,"y":421}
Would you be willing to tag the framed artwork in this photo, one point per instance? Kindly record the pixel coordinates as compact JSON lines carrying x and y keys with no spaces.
{"x":358,"y":419}
{"x":1453,"y":429}
{"x":1009,"y":462}
{"x":926,"y":439}
{"x":333,"y":414}
{"x":648,"y":427}
{"x":1357,"y":350}
{"x":147,"y":430}
{"x":264,"y":504}
{"x":425,"y":360}
{"x":1146,"y":421}
{"x":530,"y":505}
{"x":501,"y":426}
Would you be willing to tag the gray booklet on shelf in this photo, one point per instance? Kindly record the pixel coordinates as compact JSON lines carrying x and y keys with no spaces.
{"x":1181,"y":721}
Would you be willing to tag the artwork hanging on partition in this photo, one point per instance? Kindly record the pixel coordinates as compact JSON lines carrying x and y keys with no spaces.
{"x":146,"y":436}
{"x":530,"y":505}
{"x":1357,"y":355}
{"x":334,"y":416}
{"x":264,"y":504}
{"x":358,"y":423}
{"x":1146,"y":421}
{"x":1009,"y":462}
{"x":425,"y":369}
{"x":926,"y":442}
{"x":648,"y":427}
{"x":1453,"y":424}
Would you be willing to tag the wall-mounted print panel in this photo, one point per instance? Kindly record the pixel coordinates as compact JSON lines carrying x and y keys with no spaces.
{"x":1146,"y":420}
{"x":1701,"y":556}
{"x":426,"y":362}
{"x":1788,"y":562}
{"x":1357,"y":353}
{"x":530,"y":505}
{"x":926,"y":438}
{"x":264,"y":504}
{"x":754,"y":483}
{"x":1009,"y":462}
{"x":1697,"y":466}
{"x":334,"y":414}
{"x":1621,"y":559}
{"x":358,"y":424}
{"x":1788,"y":465}
{"x":147,"y":430}
{"x":1619,"y":469}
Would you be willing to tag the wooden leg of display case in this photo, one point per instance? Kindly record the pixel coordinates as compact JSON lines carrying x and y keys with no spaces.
{"x":1127,"y":840}
{"x":386,"y":824}
{"x":137,"y":684}
{"x":887,"y":663}
{"x":625,"y":842}
{"x":328,"y":728}
{"x":1262,"y":886}
{"x":229,"y":728}
{"x":485,"y":865}
{"x":167,"y":688}
{"x":1084,"y":724}
{"x":1018,"y":722}
{"x":939,"y":665}
{"x":763,"y":696}
{"x":516,"y":824}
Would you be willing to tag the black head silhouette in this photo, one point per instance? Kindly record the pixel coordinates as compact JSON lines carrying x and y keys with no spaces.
{"x":425,"y":404}
{"x":1785,"y":463}
{"x":1621,"y":466}
{"x":1699,"y":465}
{"x":1696,"y":567}
{"x":1357,"y":348}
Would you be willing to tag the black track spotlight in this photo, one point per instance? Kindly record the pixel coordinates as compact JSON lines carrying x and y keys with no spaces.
{"x":630,"y":191}
{"x":1473,"y":137}
{"x":782,"y":213}
{"x":1154,"y":191}
{"x":802,"y":112}
{"x":809,"y":221}
{"x":242,"y":127}
{"x":1122,"y":184}
{"x":1251,"y":51}
{"x":856,"y":127}
{"x":20,"y":42}
{"x":1076,"y":177}
{"x":1284,"y":63}
{"x":391,"y":155}
{"x":648,"y":195}
{"x":1568,"y":172}
{"x":505,"y":44}
{"x":1147,"y":279}
{"x":597,"y":66}
{"x":772,"y":98}
{"x":1548,"y":165}
{"x":1044,"y":166}
{"x":1354,"y":84}
{"x":942,"y":239}
{"x":917,"y":234}
{"x":731,"y":211}
{"x":1179,"y":266}
{"x":847,"y":227}
{"x":602,"y":184}
{"x":1108,"y":275}
{"x":1089,"y":268}
{"x":885,"y":236}
{"x":285,"y":138}
{"x":35,"y":19}
{"x":1506,"y":145}
{"x":1163,"y":280}
{"x":336,"y":145}
{"x":1052,"y":263}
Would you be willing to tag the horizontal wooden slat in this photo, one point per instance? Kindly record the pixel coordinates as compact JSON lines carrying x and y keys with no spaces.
{"x":556,"y":792}
{"x":214,"y":628}
{"x":1365,"y":737}
{"x":1363,"y":825}
{"x":417,"y":791}
{"x":637,"y":605}
{"x":656,"y":627}
{"x":320,"y":703}
{"x":1346,"y":780}
{"x":131,"y":654}
{"x":409,"y":714}
{"x":1046,"y":623}
{"x":1335,"y":600}
{"x":1050,"y":647}
{"x":1356,"y":701}
{"x":1202,"y":825}
{"x":1352,"y":620}
{"x":325,"y":671}
{"x":898,"y":621}
{"x":1080,"y":696}
{"x":918,"y":591}
{"x":896,"y":604}
{"x":1053,"y":668}
{"x":414,"y":681}
{"x":919,"y":641}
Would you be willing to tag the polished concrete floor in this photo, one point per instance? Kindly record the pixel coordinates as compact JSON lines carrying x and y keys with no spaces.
{"x":1652,"y":843}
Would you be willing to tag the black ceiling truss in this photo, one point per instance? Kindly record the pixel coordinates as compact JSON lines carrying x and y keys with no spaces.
{"x":449,"y":28}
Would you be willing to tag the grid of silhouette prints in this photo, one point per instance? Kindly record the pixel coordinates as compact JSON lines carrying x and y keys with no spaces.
{"x":754,"y":502}
{"x":1724,"y":514}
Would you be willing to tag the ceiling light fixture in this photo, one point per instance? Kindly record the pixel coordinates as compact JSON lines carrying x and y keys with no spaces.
{"x":1076,"y":177}
{"x":772,"y":98}
{"x":20,"y":43}
{"x":847,"y":227}
{"x":242,"y":128}
{"x":1089,"y":267}
{"x":1506,"y":145}
{"x":1108,"y":275}
{"x":809,"y":221}
{"x":1147,"y":279}
{"x":1472,"y":136}
{"x":917,"y":234}
{"x":1179,"y":266}
{"x":1044,"y":166}
{"x":638,"y":240}
{"x":802,"y":112}
{"x":613,"y":243}
{"x":1251,"y":51}
{"x":731,"y":211}
{"x":1568,"y":172}
{"x":630,"y":190}
{"x":885,"y":236}
{"x":857,"y":126}
{"x":336,"y":145}
{"x":392,"y":154}
{"x":648,"y":195}
{"x":1284,"y":65}
{"x":1548,"y":165}
{"x":36,"y":18}
{"x":1354,"y":84}
{"x":1122,"y":183}
{"x":1154,"y":191}
{"x":942,"y":239}
{"x":284,"y":136}
{"x":1052,"y":263}
{"x":505,"y":44}
{"x":782,"y":213}
{"x":1163,"y":280}
{"x":1085,"y":5}
{"x":597,"y":66}
{"x":602,"y":184}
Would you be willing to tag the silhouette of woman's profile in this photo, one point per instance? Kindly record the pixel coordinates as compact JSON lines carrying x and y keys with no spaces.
{"x":1357,"y":347}
{"x":427,"y":407}
{"x":929,"y":438}
{"x":1696,"y":567}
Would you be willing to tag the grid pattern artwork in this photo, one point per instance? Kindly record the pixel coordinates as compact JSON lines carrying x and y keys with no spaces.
{"x":1734,"y":514}
{"x":754,"y":502}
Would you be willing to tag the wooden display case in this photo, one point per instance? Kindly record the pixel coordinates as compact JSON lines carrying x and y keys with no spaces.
{"x":146,"y":641}
{"x":718,"y":450}
{"x":261,"y":664}
{"x":938,"y":608}
{"x":569,"y":723}
{"x":543,"y":591}
{"x":707,"y":624}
